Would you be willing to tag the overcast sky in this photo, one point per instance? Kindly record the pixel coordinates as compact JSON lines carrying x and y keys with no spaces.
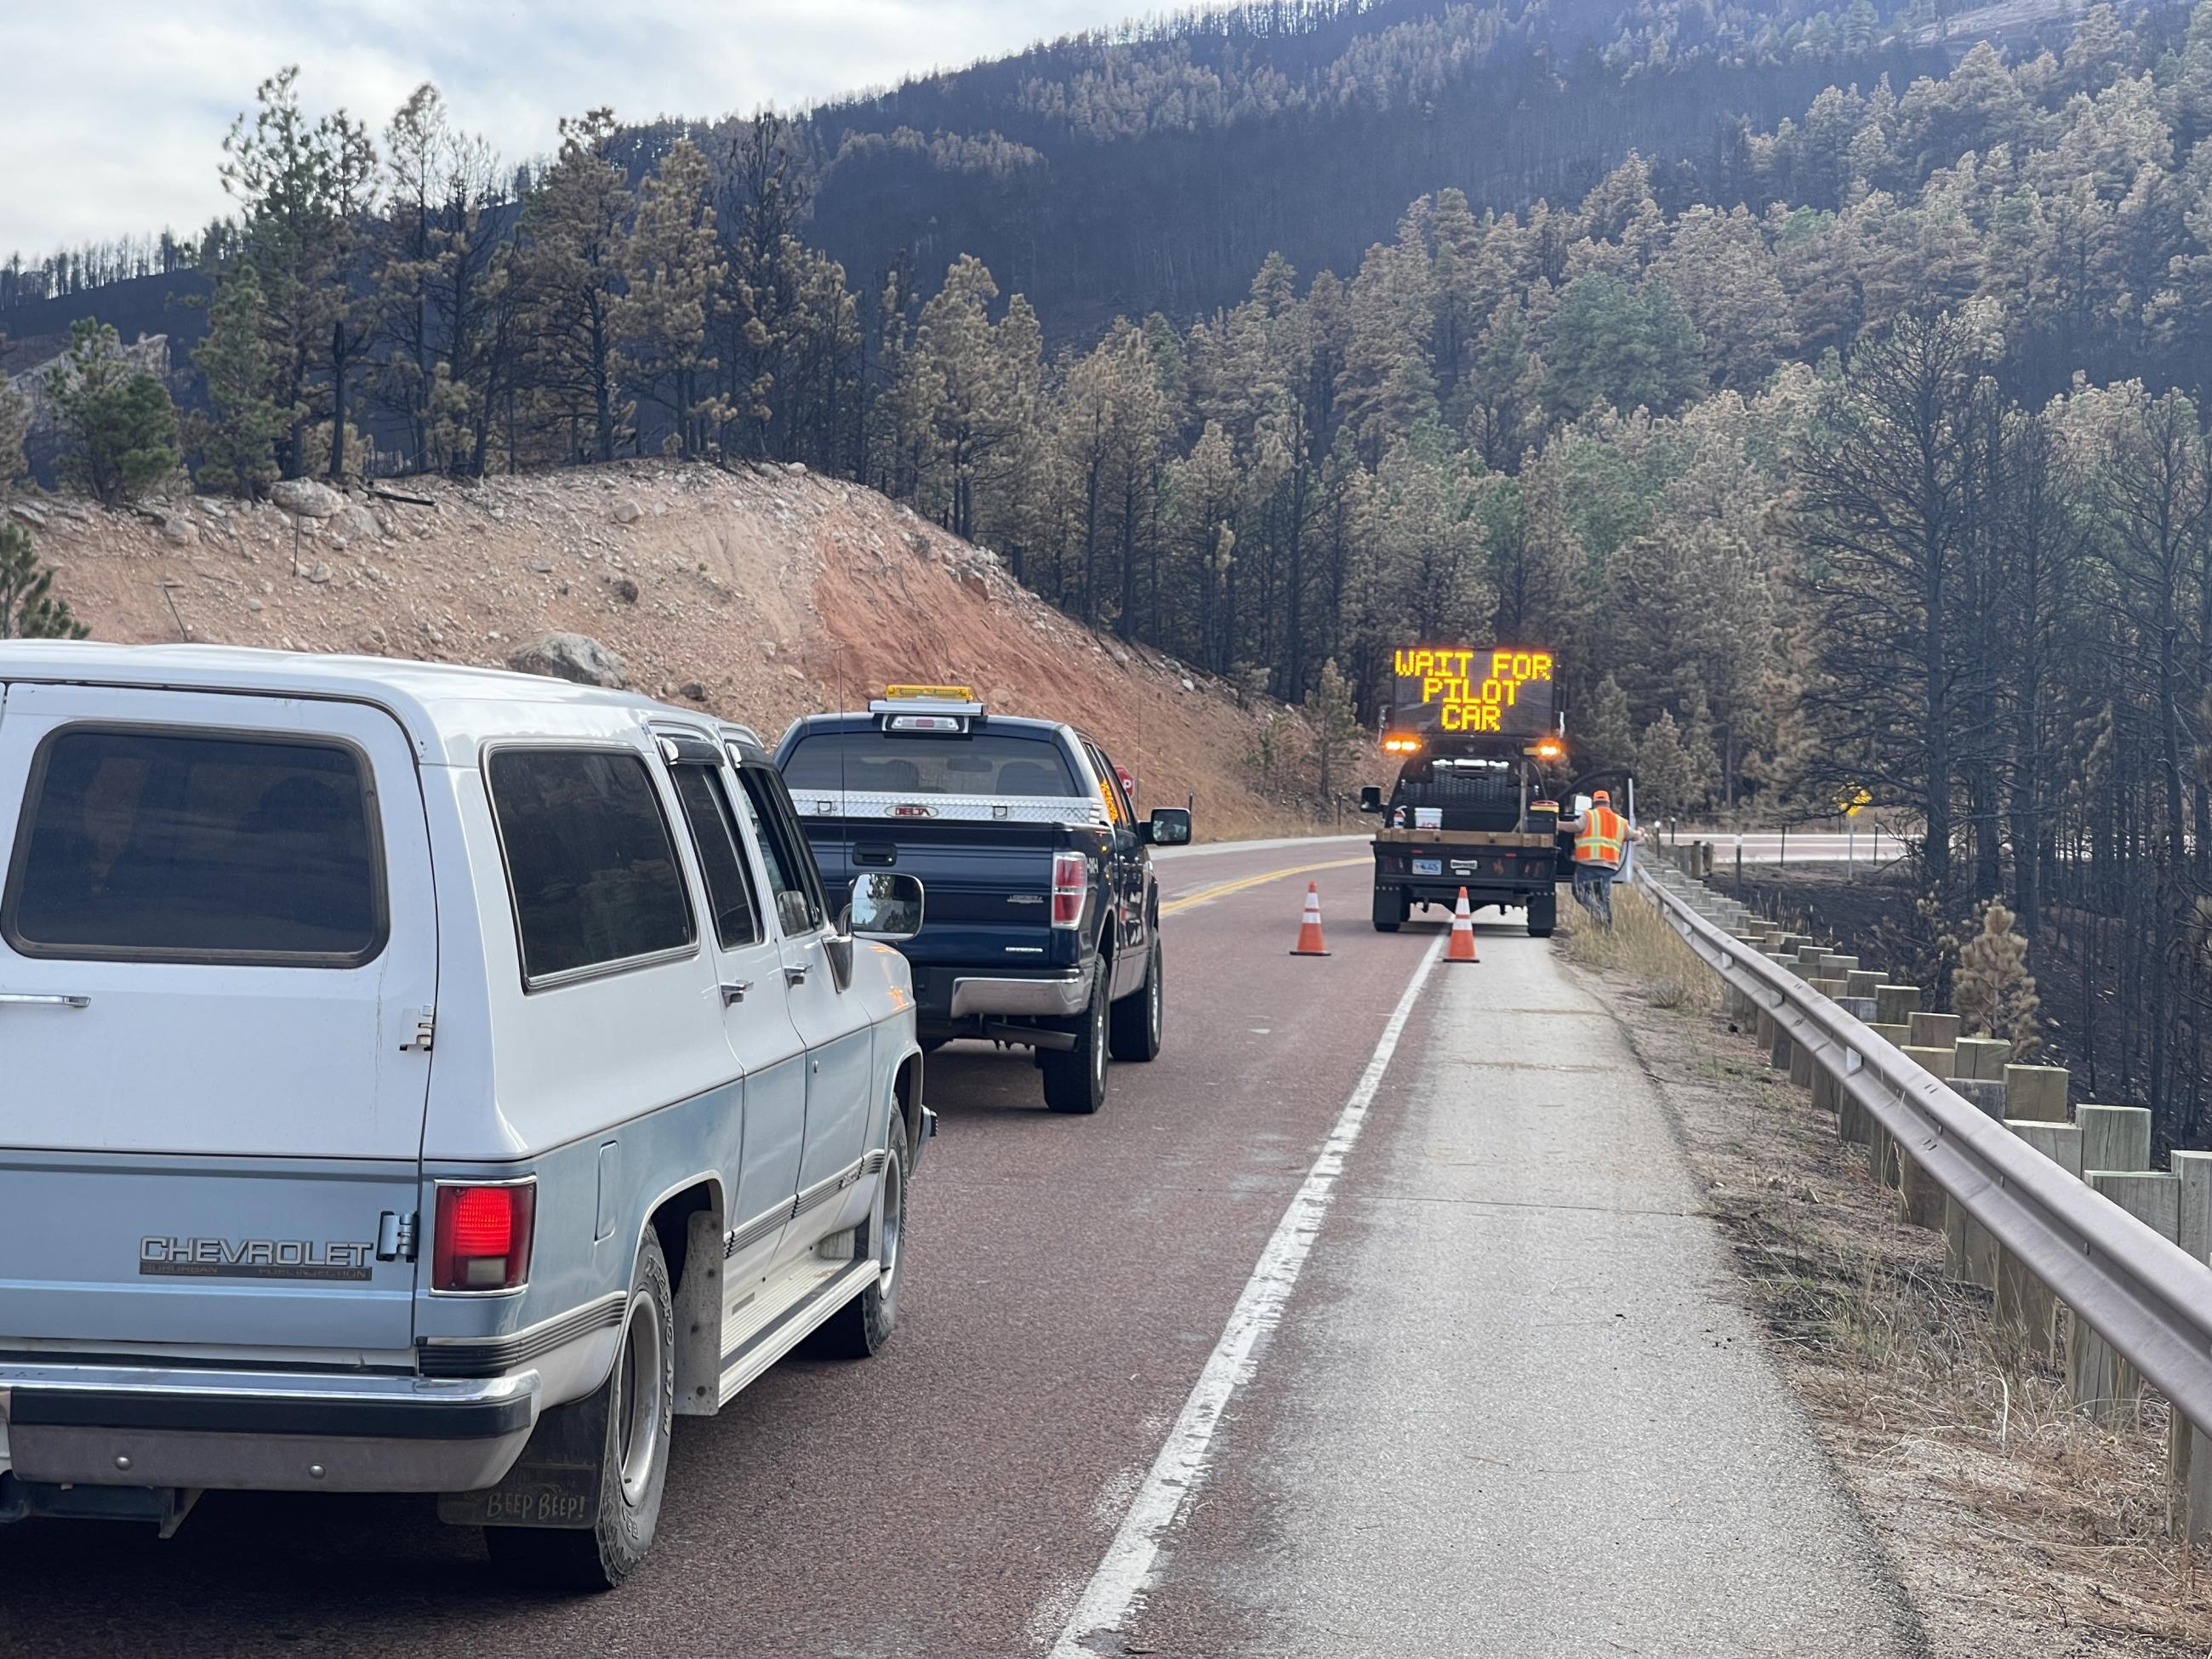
{"x":112,"y":112}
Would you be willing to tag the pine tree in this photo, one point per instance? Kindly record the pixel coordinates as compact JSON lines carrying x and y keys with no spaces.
{"x":237,"y":447}
{"x":121,"y":425}
{"x":1664,"y":787}
{"x":1336,"y":728}
{"x":570,"y":266}
{"x":671,"y":267}
{"x":14,"y":426}
{"x":1599,"y":735}
{"x":28,"y":610}
{"x":1992,"y":993}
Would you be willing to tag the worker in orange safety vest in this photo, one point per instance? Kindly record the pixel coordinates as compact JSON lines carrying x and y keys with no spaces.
{"x":1601,"y":838}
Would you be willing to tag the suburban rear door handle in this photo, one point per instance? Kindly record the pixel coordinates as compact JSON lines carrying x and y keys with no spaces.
{"x":734,"y":992}
{"x":796,"y":972}
{"x":43,"y":1000}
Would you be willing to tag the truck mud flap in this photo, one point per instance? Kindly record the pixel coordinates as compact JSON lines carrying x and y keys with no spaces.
{"x":555,"y":1482}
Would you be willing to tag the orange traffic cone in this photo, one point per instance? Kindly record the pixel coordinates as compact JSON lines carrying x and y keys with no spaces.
{"x":1462,"y":948}
{"x":1309,"y":942}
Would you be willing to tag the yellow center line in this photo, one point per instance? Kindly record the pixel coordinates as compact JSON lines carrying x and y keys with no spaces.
{"x":1222,"y":889}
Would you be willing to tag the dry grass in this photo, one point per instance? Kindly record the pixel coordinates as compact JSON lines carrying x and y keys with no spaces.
{"x":1648,"y":955}
{"x":2016,"y":1525}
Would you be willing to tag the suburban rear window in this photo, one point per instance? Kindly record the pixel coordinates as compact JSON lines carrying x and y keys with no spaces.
{"x":589,"y":860}
{"x":929,"y":763}
{"x":196,"y":847}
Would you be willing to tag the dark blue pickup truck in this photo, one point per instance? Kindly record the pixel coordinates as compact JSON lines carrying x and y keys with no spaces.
{"x":1042,"y":925}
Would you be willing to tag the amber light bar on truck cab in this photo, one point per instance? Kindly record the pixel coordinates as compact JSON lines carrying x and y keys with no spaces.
{"x":1401,"y":742}
{"x":481,"y":1238}
{"x":927,"y":708}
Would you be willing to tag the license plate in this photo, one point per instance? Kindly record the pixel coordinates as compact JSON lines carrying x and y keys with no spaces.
{"x":1428,"y":866}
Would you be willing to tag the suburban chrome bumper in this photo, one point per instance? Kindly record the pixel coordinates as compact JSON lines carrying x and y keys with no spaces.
{"x":117,"y":1425}
{"x":1060,"y":995}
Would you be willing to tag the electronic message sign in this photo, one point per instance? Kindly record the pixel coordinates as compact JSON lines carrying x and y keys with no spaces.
{"x":1507,"y":690}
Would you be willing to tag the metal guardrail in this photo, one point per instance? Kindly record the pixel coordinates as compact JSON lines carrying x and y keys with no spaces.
{"x":2143,"y":1294}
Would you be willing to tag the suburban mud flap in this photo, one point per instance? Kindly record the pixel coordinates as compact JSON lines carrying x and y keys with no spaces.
{"x":555,"y":1482}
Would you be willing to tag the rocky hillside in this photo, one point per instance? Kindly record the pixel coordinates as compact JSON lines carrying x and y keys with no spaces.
{"x":760,"y":594}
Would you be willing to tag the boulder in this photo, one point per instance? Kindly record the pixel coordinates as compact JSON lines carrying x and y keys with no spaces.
{"x":627,"y":511}
{"x":303,"y":498}
{"x":626,"y":590}
{"x":179,"y":530}
{"x":356,"y":524}
{"x":576,"y":657}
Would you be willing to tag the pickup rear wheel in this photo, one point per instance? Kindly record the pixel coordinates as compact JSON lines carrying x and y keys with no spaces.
{"x":1137,"y":1017}
{"x":1075,"y":1078}
{"x":1543,"y":914}
{"x":637,"y":1407}
{"x":1392,"y":906}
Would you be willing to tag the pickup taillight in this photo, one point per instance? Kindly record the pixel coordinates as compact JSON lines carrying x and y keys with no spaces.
{"x":1071,"y":886}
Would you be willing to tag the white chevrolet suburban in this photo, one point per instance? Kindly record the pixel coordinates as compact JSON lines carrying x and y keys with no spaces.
{"x":419,"y":1078}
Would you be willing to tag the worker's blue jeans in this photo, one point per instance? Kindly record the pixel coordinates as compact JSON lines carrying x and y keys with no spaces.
{"x":1594,"y":890}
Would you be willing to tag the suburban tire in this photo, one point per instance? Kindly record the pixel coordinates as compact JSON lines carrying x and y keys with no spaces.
{"x":1543,"y":915}
{"x":1391,"y":909}
{"x":863,"y":1324}
{"x":1075,"y":1078}
{"x":638,"y":1403}
{"x":1137,"y":1017}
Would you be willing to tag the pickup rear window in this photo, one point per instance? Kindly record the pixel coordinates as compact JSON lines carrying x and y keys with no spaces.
{"x":196,"y":847}
{"x":929,"y":763}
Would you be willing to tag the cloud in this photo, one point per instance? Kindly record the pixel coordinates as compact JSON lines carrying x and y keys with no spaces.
{"x":116,"y":109}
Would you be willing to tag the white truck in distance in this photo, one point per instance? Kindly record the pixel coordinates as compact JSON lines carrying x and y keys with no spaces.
{"x":420,"y":1078}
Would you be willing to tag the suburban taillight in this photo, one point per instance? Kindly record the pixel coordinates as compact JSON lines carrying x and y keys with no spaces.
{"x":1071,"y":886}
{"x":482,"y":1237}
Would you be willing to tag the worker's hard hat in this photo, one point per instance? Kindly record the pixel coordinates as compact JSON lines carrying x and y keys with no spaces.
{"x":1601,"y":795}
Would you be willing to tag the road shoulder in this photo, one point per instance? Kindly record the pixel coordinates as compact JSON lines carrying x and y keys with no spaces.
{"x":1518,"y":1406}
{"x":2015,"y":1526}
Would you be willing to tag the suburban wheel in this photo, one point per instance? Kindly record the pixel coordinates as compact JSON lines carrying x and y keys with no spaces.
{"x":863,"y":1324}
{"x":1138,"y":1017}
{"x":637,"y":1404}
{"x":1543,"y":915}
{"x":1391,"y":909}
{"x":1075,"y":1078}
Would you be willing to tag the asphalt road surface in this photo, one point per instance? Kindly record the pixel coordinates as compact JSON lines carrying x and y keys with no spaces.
{"x":1374,"y":1317}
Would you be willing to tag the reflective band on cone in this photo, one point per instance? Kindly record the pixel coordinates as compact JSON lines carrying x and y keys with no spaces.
{"x":1462,"y":948}
{"x":1309,"y":942}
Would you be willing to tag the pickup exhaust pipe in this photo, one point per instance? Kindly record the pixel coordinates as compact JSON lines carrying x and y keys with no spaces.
{"x":1034,"y":1036}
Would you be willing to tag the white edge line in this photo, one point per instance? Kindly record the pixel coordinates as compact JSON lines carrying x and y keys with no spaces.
{"x":1126,"y":1571}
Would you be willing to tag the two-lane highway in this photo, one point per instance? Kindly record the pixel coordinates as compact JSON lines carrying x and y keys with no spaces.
{"x":1376,"y":1317}
{"x":1068,"y":1278}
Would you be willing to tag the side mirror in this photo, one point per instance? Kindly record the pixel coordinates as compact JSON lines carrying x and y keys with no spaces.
{"x":1370,"y":798}
{"x":885,"y":907}
{"x":1169,"y":826}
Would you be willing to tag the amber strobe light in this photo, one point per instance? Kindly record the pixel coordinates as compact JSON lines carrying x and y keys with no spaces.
{"x":1398,"y":743}
{"x":482,"y":1237}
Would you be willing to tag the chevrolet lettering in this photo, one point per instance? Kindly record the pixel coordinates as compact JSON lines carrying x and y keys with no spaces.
{"x":253,"y":1258}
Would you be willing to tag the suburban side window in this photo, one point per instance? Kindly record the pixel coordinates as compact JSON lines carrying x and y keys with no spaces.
{"x":196,"y":846}
{"x":589,"y":860}
{"x":798,"y":904}
{"x":714,"y":835}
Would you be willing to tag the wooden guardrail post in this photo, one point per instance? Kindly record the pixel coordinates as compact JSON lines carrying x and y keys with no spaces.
{"x":2026,"y":1308}
{"x":2115,"y":1142}
{"x":2153,"y":1198}
{"x":2188,"y":1448}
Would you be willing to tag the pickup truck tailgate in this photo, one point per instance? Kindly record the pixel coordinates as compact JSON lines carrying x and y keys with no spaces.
{"x":988,"y":885}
